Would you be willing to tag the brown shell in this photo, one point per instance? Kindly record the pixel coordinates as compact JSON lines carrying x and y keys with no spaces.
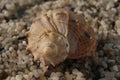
{"x":60,"y":34}
{"x":81,"y":38}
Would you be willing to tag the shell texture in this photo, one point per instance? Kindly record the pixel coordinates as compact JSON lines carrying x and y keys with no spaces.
{"x":58,"y":35}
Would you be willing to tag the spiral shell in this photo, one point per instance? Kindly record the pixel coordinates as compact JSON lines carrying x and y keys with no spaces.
{"x":60,"y":34}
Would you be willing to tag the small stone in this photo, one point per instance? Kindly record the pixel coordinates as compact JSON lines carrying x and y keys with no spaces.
{"x":10,"y":6}
{"x":19,"y":77}
{"x":107,"y":49}
{"x":36,"y":73}
{"x":18,"y":27}
{"x":118,"y":46}
{"x":11,"y":48}
{"x":109,"y":75}
{"x":20,"y":73}
{"x":12,"y":78}
{"x":20,"y":46}
{"x":26,"y":71}
{"x":13,"y":73}
{"x":118,"y":26}
{"x":113,"y":79}
{"x":42,"y":77}
{"x":79,"y":75}
{"x":101,"y":53}
{"x":26,"y":77}
{"x":30,"y":75}
{"x":1,"y":66}
{"x":115,"y":68}
{"x":8,"y":78}
{"x":6,"y":13}
{"x":118,"y":59}
{"x":33,"y":78}
{"x":24,"y":43}
{"x":104,"y":64}
{"x":102,"y":79}
{"x":14,"y":54}
{"x":117,"y":75}
{"x":55,"y":76}
{"x":68,"y":76}
{"x":33,"y":68}
{"x":111,"y":61}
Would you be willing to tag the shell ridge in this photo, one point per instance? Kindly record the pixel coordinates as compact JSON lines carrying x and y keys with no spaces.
{"x":61,"y":18}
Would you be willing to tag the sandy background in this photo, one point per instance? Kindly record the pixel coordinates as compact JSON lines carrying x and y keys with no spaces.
{"x":17,"y":64}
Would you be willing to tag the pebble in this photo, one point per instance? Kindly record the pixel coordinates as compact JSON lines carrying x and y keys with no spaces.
{"x":26,"y":77}
{"x":30,"y":75}
{"x":118,"y":26}
{"x":1,"y":66}
{"x":33,"y":68}
{"x":109,"y":75}
{"x":8,"y":78}
{"x":11,"y":48}
{"x":115,"y":68}
{"x":20,"y":46}
{"x":13,"y":73}
{"x":36,"y":73}
{"x":102,"y":79}
{"x":6,"y":13}
{"x":111,"y":61}
{"x":104,"y":64}
{"x":19,"y":77}
{"x":114,"y":79}
{"x":12,"y":78}
{"x":20,"y":73}
{"x":107,"y":48}
{"x":18,"y":27}
{"x":26,"y":71}
{"x":118,"y":59}
{"x":101,"y":53}
{"x":117,"y":75}
{"x":55,"y":76}
{"x":42,"y":77}
{"x":10,"y":6}
{"x":79,"y":75}
{"x":14,"y":54}
{"x":24,"y":43}
{"x":68,"y":76}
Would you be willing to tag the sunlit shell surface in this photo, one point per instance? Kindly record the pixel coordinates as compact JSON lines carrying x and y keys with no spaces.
{"x":60,"y":34}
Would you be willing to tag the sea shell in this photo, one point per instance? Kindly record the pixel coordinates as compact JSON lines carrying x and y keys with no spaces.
{"x":58,"y":35}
